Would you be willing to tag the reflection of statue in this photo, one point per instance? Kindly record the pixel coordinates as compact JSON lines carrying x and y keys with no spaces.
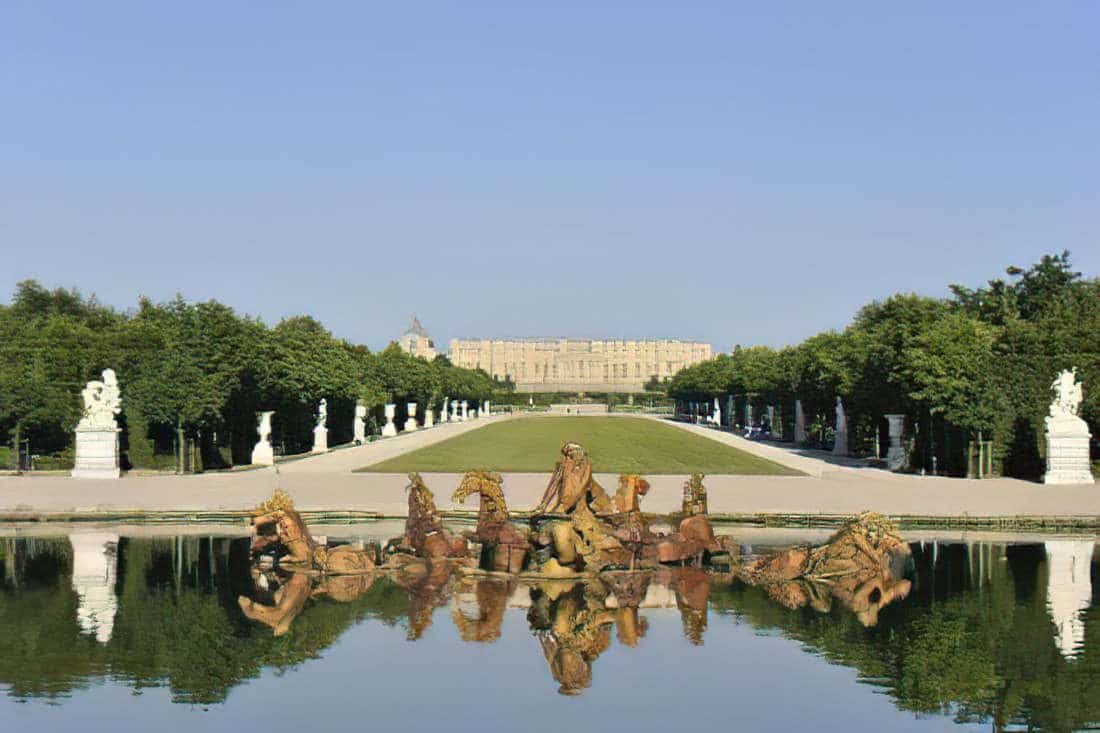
{"x":289,"y":599}
{"x":504,"y":543}
{"x":692,"y":588}
{"x":862,"y":566}
{"x":1069,"y":591}
{"x":278,"y":525}
{"x":574,"y":628}
{"x":290,"y":591}
{"x":427,"y":586}
{"x":102,"y":402}
{"x":491,"y":598}
{"x":95,"y":563}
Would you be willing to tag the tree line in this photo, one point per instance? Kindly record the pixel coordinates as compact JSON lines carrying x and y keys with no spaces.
{"x":193,"y":375}
{"x":976,"y":365}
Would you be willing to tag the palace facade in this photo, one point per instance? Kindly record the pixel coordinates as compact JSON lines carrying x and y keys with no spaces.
{"x":578,"y":365}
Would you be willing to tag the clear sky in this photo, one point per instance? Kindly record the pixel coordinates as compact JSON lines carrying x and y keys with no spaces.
{"x":733,"y":172}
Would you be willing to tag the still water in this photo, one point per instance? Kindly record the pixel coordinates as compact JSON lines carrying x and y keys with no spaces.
{"x":106,"y":632}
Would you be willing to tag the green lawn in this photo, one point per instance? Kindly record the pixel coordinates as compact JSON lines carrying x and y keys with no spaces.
{"x":616,"y":444}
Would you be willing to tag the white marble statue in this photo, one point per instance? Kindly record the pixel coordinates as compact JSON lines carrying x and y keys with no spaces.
{"x":1069,"y":591}
{"x":486,"y":408}
{"x":95,"y":569}
{"x":429,"y":417}
{"x":390,"y":429}
{"x":410,"y":422}
{"x":716,"y":418}
{"x":1067,"y":436}
{"x":320,"y":430}
{"x":770,"y":412}
{"x":800,"y":436}
{"x":896,"y":457}
{"x":262,"y":453}
{"x":102,"y":402}
{"x":97,"y":432}
{"x":465,"y":411}
{"x":840,"y":444}
{"x":445,"y":415}
{"x":359,"y":425}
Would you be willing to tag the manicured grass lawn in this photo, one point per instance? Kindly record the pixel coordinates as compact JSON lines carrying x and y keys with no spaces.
{"x":616,"y":444}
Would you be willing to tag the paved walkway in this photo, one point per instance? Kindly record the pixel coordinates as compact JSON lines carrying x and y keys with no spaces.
{"x":325,"y":483}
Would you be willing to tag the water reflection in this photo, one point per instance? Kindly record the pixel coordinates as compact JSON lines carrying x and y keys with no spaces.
{"x":991,"y":632}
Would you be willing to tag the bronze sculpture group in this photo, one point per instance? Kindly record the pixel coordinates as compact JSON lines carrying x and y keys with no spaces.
{"x":587,"y":559}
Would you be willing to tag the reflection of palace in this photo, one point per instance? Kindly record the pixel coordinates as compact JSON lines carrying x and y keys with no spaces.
{"x":1069,"y":591}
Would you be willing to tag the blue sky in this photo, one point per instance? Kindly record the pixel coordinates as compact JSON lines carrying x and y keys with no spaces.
{"x":733,"y":172}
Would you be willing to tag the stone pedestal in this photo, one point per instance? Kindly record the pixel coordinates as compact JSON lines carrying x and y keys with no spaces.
{"x":320,"y":439}
{"x":800,"y":435}
{"x":96,"y":452}
{"x":896,"y":458}
{"x":410,"y":423}
{"x":1067,"y":451}
{"x":389,"y":429}
{"x":262,"y":452}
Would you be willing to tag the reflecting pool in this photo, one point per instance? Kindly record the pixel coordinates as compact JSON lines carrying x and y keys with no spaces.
{"x":99,"y":630}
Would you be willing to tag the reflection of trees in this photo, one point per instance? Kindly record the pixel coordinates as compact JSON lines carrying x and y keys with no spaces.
{"x":178,"y":622}
{"x":974,"y":640}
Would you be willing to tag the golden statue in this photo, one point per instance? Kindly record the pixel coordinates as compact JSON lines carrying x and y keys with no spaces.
{"x":567,"y":532}
{"x":862,"y":566}
{"x":504,"y":544}
{"x":424,"y":533}
{"x":276,"y":524}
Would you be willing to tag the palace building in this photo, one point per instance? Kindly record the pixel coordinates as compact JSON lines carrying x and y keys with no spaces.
{"x":578,"y":365}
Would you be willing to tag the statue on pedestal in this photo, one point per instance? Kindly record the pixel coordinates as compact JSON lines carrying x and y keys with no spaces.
{"x":359,"y":425}
{"x":320,"y":430}
{"x":840,"y":443}
{"x":262,"y":453}
{"x":389,"y":430}
{"x":97,"y":431}
{"x":1067,"y":435}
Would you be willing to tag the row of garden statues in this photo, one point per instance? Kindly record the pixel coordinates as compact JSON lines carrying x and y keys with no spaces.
{"x":587,"y":560}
